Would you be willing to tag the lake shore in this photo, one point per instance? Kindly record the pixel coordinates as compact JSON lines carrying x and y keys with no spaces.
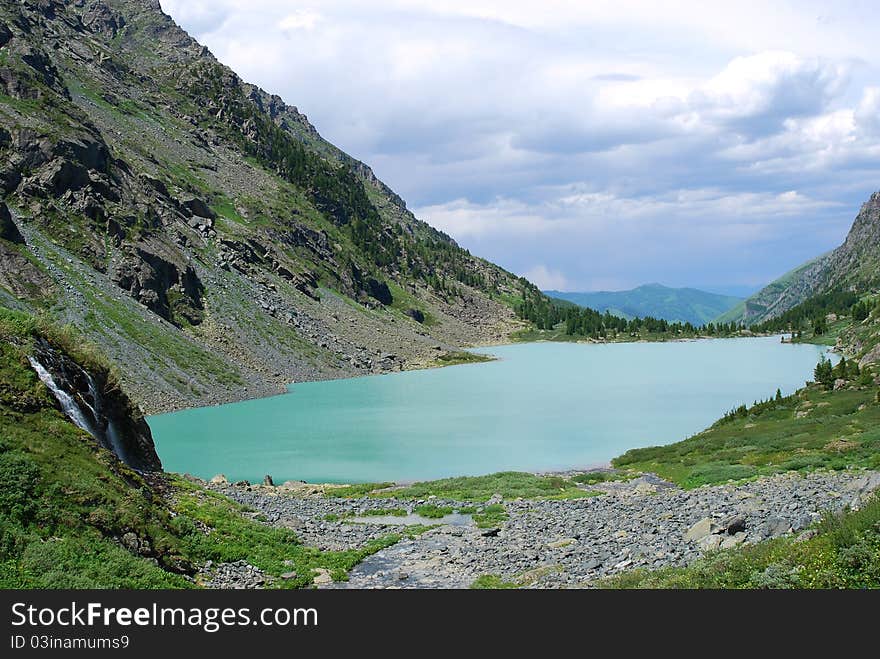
{"x":644,"y":522}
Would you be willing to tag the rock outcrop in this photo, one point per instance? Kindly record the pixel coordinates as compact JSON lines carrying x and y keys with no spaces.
{"x":95,"y":403}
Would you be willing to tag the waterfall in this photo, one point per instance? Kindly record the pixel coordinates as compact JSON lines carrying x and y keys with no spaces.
{"x":115,"y":442}
{"x":68,"y":404}
{"x":92,"y":405}
{"x":112,"y":433}
{"x":109,"y":437}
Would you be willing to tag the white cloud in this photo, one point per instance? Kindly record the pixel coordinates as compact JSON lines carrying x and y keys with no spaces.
{"x":464,"y":219}
{"x":701,"y":137}
{"x":759,"y":92}
{"x":867,"y":115}
{"x":302,"y":19}
{"x":546,"y":278}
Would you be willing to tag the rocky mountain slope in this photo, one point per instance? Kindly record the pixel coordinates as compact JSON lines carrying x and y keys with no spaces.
{"x":200,"y":230}
{"x":684,"y":305}
{"x":855,"y":266}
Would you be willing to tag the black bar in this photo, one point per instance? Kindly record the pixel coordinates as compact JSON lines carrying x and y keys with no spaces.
{"x":357,"y":620}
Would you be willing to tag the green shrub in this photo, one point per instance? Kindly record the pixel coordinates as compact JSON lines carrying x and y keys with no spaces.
{"x":718,"y":472}
{"x":492,"y":582}
{"x":433,"y":512}
{"x":491,"y":516}
{"x":18,"y":480}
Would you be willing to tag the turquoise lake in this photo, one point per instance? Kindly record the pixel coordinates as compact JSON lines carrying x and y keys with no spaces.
{"x":541,"y":406}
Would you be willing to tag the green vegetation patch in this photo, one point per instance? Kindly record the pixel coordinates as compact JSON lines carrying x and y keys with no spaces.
{"x":491,"y":516}
{"x":593,"y":477}
{"x":234,"y":537}
{"x":65,"y":502}
{"x":63,"y":498}
{"x":431,"y":511}
{"x":461,"y":357}
{"x":493,"y":582}
{"x":384,"y":512}
{"x":521,"y":580}
{"x":509,"y":484}
{"x":813,"y":429}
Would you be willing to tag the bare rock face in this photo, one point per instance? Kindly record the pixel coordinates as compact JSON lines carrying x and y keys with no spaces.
{"x":169,"y":289}
{"x":8,"y":230}
{"x":872,"y":357}
{"x":17,"y":273}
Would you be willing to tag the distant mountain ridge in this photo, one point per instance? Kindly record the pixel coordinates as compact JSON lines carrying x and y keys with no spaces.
{"x":686,"y":305}
{"x":854,"y":266}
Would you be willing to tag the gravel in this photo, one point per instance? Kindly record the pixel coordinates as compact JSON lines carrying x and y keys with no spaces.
{"x":643,"y":523}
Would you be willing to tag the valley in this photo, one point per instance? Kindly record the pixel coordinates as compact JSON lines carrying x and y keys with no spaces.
{"x":193,"y":282}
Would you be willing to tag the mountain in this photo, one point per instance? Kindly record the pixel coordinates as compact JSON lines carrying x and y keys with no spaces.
{"x":779,"y":295}
{"x":854,"y":266}
{"x":672,"y":304}
{"x":198,"y":229}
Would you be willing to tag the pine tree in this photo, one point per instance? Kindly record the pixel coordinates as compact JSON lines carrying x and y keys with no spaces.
{"x":823,"y":373}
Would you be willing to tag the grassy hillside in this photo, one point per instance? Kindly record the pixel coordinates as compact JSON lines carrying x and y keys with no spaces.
{"x":814,"y":428}
{"x":73,"y":516}
{"x":831,"y":423}
{"x":685,"y":305}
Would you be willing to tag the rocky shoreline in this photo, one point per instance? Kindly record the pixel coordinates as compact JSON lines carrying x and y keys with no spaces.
{"x":641,"y":523}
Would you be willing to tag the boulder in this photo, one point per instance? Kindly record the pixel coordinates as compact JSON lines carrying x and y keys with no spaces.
{"x":62,"y":175}
{"x":196,"y":206}
{"x":871,"y":357}
{"x":775,"y":526}
{"x":8,"y":230}
{"x":710,"y":542}
{"x":701,"y":529}
{"x":322,"y":576}
{"x":807,"y":535}
{"x":379,"y":290}
{"x":131,"y":542}
{"x":733,"y":524}
{"x":733,"y":540}
{"x":416,"y":315}
{"x":219,"y":479}
{"x":170,"y":289}
{"x":5,"y":35}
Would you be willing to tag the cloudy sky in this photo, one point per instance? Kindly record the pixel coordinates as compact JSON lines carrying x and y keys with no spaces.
{"x":588,"y":145}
